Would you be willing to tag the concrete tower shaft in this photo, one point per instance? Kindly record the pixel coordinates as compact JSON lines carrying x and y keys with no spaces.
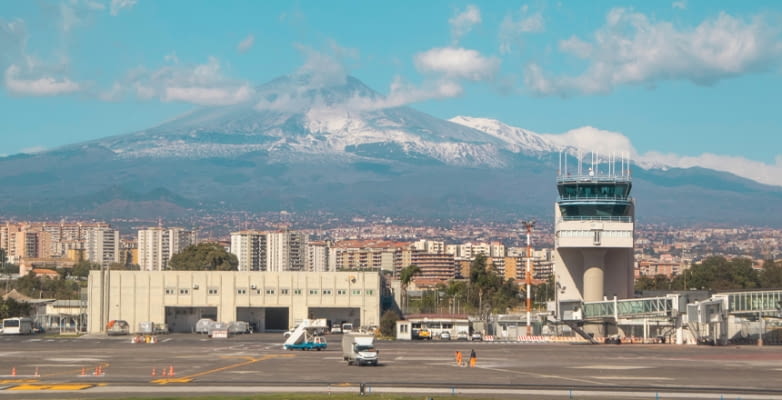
{"x":594,"y":232}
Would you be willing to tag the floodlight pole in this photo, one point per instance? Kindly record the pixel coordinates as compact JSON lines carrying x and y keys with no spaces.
{"x":528,"y":275}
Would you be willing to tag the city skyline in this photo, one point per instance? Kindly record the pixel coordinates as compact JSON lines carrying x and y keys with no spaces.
{"x":680,"y":83}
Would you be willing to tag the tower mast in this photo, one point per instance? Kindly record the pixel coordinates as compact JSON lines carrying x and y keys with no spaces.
{"x":528,"y":225}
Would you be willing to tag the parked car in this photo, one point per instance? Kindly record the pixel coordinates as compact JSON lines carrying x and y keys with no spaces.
{"x":476,"y":336}
{"x":445,"y":335}
{"x":462,"y":336}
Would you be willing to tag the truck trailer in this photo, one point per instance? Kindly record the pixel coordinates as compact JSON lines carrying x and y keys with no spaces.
{"x":359,"y":349}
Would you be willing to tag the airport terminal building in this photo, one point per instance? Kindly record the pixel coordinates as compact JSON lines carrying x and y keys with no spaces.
{"x":268,"y":301}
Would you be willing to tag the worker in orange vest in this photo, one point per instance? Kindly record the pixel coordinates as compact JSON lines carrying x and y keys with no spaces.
{"x":473,"y":359}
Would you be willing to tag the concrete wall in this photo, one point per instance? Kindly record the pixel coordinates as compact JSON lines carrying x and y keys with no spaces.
{"x":138,"y":296}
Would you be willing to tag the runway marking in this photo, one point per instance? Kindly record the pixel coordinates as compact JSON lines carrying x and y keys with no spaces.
{"x":541,"y":375}
{"x":635,"y":378}
{"x":616,"y":367}
{"x":54,"y":386}
{"x":7,"y":381}
{"x":249,"y":360}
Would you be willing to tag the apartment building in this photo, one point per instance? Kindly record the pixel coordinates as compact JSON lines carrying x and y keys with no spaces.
{"x":380,"y":255}
{"x":102,"y":246}
{"x":318,"y":257}
{"x":157,"y":245}
{"x":270,"y":251}
{"x":434,"y":266}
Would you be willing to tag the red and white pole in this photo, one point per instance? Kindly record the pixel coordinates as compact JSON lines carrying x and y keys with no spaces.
{"x":528,"y":275}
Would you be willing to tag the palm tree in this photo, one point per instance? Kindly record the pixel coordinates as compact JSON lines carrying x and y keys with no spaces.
{"x":405,"y":277}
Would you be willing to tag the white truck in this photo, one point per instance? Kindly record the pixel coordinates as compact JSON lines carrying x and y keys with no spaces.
{"x":359,"y":349}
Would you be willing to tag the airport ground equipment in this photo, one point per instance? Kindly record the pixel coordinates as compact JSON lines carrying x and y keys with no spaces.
{"x":359,"y":349}
{"x":306,"y":335}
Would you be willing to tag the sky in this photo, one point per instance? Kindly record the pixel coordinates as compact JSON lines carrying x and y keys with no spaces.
{"x":680,"y":83}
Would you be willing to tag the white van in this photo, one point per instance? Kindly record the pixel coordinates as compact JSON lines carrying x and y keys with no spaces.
{"x":347,"y":327}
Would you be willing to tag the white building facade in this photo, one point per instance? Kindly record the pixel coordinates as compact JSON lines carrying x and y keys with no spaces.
{"x":102,"y":246}
{"x":156,"y":246}
{"x":269,"y":301}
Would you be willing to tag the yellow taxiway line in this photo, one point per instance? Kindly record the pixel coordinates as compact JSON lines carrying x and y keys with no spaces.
{"x":249,"y":360}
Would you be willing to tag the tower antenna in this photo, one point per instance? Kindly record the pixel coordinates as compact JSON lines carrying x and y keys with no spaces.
{"x":528,"y":225}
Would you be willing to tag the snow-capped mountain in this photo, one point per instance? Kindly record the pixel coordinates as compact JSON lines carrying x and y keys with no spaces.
{"x":301,"y":146}
{"x":291,"y":119}
{"x":517,"y":139}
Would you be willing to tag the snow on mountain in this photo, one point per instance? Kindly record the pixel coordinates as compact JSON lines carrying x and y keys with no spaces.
{"x":291,"y":119}
{"x":517,"y":139}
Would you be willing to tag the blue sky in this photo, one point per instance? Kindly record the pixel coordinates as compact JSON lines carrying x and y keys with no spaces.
{"x":680,"y":83}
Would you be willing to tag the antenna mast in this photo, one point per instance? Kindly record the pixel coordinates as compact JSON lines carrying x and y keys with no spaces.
{"x":528,"y":225}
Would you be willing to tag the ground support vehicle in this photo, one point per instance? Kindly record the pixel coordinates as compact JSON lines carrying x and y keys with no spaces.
{"x":307,"y":336}
{"x":117,"y":327}
{"x":17,"y":326}
{"x":313,"y":343}
{"x":359,"y":349}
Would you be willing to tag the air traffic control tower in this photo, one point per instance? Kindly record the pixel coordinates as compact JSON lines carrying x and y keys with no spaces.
{"x":594,"y":232}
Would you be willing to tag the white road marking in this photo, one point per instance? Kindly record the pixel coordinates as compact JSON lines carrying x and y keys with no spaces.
{"x":634,"y":378}
{"x":615,"y":367}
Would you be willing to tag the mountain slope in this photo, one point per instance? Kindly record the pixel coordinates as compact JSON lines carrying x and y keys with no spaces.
{"x":303,"y":147}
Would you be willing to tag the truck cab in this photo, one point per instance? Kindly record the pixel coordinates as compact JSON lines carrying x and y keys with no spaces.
{"x":359,"y":349}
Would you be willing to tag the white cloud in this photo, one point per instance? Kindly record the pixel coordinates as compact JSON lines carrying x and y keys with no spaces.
{"x":69,"y":17}
{"x":402,"y":93}
{"x":681,"y":5}
{"x":512,"y":29}
{"x":770,"y":174}
{"x":37,"y":86}
{"x":94,"y":5}
{"x":246,"y":44}
{"x":576,"y":46}
{"x":214,"y":96}
{"x":202,"y":84}
{"x":632,"y":49}
{"x":171,"y":58}
{"x":13,"y":40}
{"x":322,"y":70}
{"x":588,"y":139}
{"x":457,"y":63}
{"x":462,"y":23}
{"x":33,"y":150}
{"x":117,"y":5}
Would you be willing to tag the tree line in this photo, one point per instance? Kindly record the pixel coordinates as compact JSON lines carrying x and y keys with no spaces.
{"x":717,"y":273}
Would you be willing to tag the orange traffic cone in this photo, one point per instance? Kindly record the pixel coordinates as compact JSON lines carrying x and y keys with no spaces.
{"x":154,"y":371}
{"x":13,"y":371}
{"x":164,"y":373}
{"x":170,"y":370}
{"x":36,"y":372}
{"x":84,"y":372}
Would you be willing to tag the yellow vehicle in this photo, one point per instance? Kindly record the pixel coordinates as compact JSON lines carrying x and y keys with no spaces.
{"x":424,"y":333}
